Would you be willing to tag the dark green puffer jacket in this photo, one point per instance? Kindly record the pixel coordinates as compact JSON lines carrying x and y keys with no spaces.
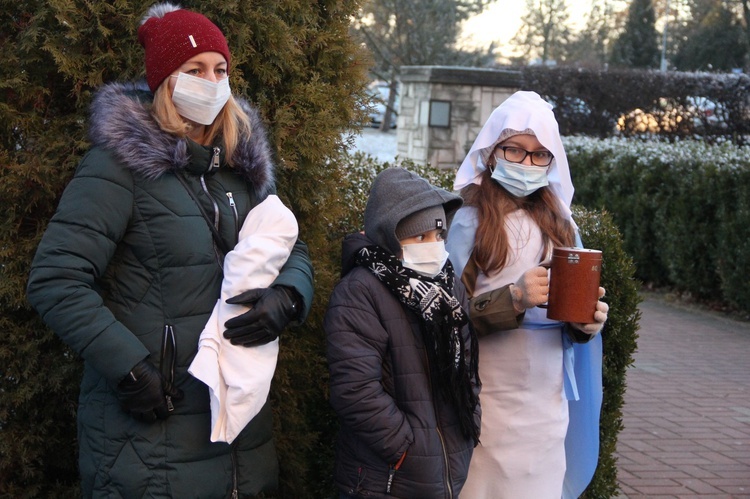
{"x":128,"y":261}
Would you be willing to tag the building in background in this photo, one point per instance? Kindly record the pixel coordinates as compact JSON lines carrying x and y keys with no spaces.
{"x":442,"y":109}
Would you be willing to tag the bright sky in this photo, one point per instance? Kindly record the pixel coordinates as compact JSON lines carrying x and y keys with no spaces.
{"x":501,"y":20}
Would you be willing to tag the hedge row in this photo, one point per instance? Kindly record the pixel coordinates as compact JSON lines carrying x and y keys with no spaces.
{"x":683,"y":209}
{"x":633,"y":103}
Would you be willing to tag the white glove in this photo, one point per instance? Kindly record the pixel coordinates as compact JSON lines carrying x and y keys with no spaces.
{"x":531,"y":289}
{"x":600,"y":317}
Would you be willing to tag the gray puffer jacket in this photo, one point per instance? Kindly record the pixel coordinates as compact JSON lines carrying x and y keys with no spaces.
{"x":127,"y":270}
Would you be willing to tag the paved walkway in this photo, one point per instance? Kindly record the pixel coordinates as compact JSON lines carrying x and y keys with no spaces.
{"x":687,"y":406}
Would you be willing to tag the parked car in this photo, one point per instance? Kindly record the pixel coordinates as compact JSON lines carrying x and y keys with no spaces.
{"x":705,"y":112}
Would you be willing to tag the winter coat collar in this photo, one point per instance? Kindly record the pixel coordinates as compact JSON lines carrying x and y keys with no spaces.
{"x":350,"y":246}
{"x":121,"y":121}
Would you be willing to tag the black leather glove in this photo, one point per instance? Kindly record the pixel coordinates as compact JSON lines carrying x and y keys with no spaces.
{"x":271,"y":309}
{"x":144,"y":393}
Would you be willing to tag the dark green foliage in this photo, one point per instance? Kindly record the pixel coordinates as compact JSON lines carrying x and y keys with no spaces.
{"x":732,"y":258}
{"x":637,"y":46}
{"x":682,"y":208}
{"x":414,"y":32}
{"x":712,"y":39}
{"x":296,"y":61}
{"x":633,"y":103}
{"x":687,"y":210}
{"x":619,"y":336}
{"x":544,"y":33}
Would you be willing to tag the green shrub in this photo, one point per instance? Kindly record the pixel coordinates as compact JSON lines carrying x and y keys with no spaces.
{"x":732,"y":249}
{"x":614,"y":182}
{"x":619,"y":338}
{"x":682,"y":209}
{"x":296,"y":61}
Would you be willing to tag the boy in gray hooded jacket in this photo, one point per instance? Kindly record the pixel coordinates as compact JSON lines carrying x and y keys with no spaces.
{"x":401,"y":354}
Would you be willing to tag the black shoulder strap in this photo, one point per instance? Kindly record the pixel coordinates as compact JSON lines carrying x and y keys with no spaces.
{"x":220,"y":244}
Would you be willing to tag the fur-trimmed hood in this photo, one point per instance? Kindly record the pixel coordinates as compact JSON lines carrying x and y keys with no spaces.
{"x":121,"y":121}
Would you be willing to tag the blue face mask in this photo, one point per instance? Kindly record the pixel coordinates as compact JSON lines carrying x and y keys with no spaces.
{"x":518,"y":179}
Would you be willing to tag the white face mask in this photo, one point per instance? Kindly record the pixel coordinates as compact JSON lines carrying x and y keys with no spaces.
{"x":518,"y":179}
{"x":425,"y":258}
{"x":198,"y":99}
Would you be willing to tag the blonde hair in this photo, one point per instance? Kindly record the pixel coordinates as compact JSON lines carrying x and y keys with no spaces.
{"x":231,"y":123}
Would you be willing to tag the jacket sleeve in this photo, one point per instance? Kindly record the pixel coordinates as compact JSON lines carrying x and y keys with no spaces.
{"x":92,"y":216}
{"x":357,"y":344}
{"x":297,"y":273}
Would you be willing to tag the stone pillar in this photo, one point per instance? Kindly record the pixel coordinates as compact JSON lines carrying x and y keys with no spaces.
{"x":472,"y":93}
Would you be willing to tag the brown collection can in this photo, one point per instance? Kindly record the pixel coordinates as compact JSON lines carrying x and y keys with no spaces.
{"x":575,"y":274}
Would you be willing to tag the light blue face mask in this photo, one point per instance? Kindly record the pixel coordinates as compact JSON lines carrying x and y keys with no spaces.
{"x":518,"y":179}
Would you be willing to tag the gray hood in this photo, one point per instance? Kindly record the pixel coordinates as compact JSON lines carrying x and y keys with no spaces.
{"x":397,"y":193}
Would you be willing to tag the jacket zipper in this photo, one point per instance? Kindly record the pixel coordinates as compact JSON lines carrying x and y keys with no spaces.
{"x":167,"y":361}
{"x":392,"y":472}
{"x":215,"y":163}
{"x":233,"y":205}
{"x":215,"y":159}
{"x":213,"y":201}
{"x":233,"y":454}
{"x":447,"y":476}
{"x":448,"y":480}
{"x":213,"y":166}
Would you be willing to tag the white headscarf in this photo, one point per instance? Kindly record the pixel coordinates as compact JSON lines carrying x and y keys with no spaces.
{"x":520,"y":112}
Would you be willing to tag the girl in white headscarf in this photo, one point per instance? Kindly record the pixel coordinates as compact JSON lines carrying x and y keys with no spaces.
{"x":541,"y":378}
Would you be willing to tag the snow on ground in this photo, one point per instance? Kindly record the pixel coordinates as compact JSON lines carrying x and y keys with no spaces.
{"x":379,"y":145}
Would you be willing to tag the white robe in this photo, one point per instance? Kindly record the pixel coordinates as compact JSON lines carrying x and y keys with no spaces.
{"x":524,"y":410}
{"x":577,"y":367}
{"x":238,"y":377}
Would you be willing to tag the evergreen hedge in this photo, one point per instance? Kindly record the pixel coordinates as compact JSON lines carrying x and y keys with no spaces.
{"x":619,"y":337}
{"x":297,"y":63}
{"x":643,"y":103}
{"x":683,"y":209}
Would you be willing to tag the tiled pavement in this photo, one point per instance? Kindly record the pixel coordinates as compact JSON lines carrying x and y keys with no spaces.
{"x":687,"y":406}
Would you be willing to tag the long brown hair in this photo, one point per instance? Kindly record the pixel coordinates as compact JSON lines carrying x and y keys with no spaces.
{"x":493,"y":204}
{"x":231,"y":123}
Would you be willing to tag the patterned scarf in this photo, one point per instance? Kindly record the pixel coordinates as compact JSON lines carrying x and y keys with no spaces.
{"x":442,"y":317}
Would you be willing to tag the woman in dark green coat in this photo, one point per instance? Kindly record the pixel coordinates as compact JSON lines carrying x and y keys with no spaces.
{"x":129,"y":270}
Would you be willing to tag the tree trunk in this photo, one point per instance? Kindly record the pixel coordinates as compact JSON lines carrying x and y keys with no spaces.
{"x":385,"y":125}
{"x":746,"y":15}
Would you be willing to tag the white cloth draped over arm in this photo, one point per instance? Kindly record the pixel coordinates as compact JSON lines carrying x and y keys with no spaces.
{"x":238,"y":377}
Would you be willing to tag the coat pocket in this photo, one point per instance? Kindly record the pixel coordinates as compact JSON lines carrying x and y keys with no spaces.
{"x":392,"y":472}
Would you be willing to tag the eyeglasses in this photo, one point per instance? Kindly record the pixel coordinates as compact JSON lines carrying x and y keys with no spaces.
{"x":517,"y":155}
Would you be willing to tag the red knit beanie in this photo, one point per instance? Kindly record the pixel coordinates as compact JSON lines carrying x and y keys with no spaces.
{"x":171,"y":35}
